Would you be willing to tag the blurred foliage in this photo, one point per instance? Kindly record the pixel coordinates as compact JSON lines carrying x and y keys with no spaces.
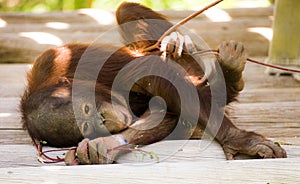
{"x":59,"y":5}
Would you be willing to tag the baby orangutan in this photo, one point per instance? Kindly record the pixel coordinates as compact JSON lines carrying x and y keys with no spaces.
{"x":64,"y":103}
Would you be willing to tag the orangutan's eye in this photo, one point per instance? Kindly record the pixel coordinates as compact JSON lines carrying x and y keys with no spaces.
{"x":86,"y":109}
{"x":85,"y":127}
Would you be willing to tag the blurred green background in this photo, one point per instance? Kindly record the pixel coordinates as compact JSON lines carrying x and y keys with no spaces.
{"x":39,"y":6}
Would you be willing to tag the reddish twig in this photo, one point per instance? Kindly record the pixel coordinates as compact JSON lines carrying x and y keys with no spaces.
{"x":273,"y":66}
{"x":255,"y":61}
{"x":50,"y":160}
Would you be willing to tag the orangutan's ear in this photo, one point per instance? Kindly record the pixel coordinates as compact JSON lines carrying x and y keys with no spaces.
{"x":140,"y":26}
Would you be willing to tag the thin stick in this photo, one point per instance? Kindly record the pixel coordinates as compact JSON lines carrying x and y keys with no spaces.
{"x":255,"y":61}
{"x":273,"y":66}
{"x":41,"y":153}
{"x":180,"y":23}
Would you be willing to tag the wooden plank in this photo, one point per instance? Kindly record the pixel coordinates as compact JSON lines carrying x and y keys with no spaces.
{"x":9,"y":105}
{"x":254,"y":171}
{"x":233,"y":13}
{"x":87,"y":25}
{"x":274,"y":132}
{"x":267,"y":110}
{"x":14,"y":137}
{"x":267,"y":11}
{"x":272,"y":119}
{"x":18,"y":156}
{"x":19,"y":48}
{"x":12,"y":79}
{"x":10,"y":117}
{"x":241,"y":24}
{"x":255,"y":78}
{"x":67,"y":17}
{"x":270,"y":95}
{"x":266,"y":123}
{"x":75,"y":27}
{"x":167,"y":151}
{"x":10,"y":121}
{"x":16,"y":48}
{"x":189,"y":150}
{"x":84,"y":16}
{"x":277,"y":113}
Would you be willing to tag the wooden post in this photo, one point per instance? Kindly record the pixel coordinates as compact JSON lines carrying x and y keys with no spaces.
{"x":285,"y":46}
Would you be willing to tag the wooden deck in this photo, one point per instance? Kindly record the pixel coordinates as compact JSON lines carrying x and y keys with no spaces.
{"x":269,"y":105}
